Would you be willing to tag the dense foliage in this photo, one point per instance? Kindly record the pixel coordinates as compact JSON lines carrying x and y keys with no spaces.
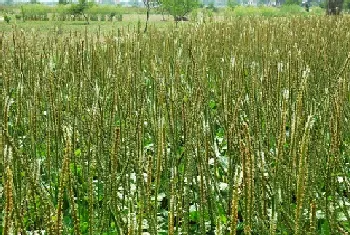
{"x":179,"y":8}
{"x":237,"y":127}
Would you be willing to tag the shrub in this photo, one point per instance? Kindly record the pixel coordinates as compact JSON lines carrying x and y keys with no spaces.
{"x":291,"y":9}
{"x":37,"y":9}
{"x":77,"y":9}
{"x":269,"y":11}
{"x":322,"y":5}
{"x":317,"y":11}
{"x":232,"y":3}
{"x":7,"y":18}
{"x":246,"y":11}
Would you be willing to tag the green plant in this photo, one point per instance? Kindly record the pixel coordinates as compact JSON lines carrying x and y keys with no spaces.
{"x":179,"y":8}
{"x":232,"y":3}
{"x":347,"y":4}
{"x":23,"y":13}
{"x":7,"y":18}
{"x":231,"y":127}
{"x":291,"y":9}
{"x":292,"y":2}
{"x":194,"y":15}
{"x":77,"y":9}
{"x":317,"y":11}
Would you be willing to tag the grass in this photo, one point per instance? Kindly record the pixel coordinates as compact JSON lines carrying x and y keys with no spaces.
{"x":79,"y":26}
{"x":231,"y":127}
{"x":38,"y":11}
{"x":132,"y":19}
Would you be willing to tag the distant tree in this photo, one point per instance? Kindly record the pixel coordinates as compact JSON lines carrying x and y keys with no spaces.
{"x":232,"y":3}
{"x":334,"y":7}
{"x":292,"y":2}
{"x":148,"y":4}
{"x":62,"y":2}
{"x":79,"y":9}
{"x":179,"y":8}
{"x":262,"y":2}
{"x":347,"y":4}
{"x":9,"y":2}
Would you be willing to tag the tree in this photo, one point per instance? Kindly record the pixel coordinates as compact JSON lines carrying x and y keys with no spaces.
{"x":232,"y":3}
{"x":78,"y":9}
{"x":179,"y":8}
{"x":291,"y":2}
{"x":347,"y":4}
{"x":334,"y":7}
{"x":148,"y":5}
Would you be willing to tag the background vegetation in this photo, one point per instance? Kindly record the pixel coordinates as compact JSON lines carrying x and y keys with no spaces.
{"x":191,"y":9}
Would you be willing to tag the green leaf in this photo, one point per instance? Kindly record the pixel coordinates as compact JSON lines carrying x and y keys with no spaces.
{"x":212,"y":104}
{"x":67,"y":220}
{"x":246,"y":72}
{"x":194,"y":216}
{"x":325,"y":228}
{"x":220,"y":133}
{"x":223,"y":219}
{"x":240,"y":226}
{"x":113,"y":225}
{"x":84,"y":227}
{"x":77,"y":152}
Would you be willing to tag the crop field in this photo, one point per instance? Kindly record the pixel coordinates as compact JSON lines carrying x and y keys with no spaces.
{"x":67,"y":27}
{"x":232,"y":127}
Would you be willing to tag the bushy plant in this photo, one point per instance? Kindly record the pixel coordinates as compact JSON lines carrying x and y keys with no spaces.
{"x":179,"y":8}
{"x":7,"y":18}
{"x":316,"y":10}
{"x":347,"y":4}
{"x":246,"y":11}
{"x":104,"y":10}
{"x":232,"y":3}
{"x":208,"y":13}
{"x":80,"y":8}
{"x":268,"y":11}
{"x":37,"y":9}
{"x":76,"y":9}
{"x":194,"y":15}
{"x":292,"y":2}
{"x":291,"y":9}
